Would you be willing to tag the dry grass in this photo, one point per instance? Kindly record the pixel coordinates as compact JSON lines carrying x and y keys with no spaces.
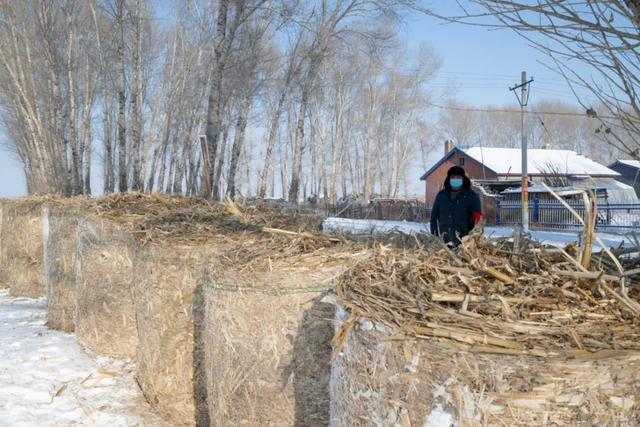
{"x":105,"y":316}
{"x":383,"y":381}
{"x":167,"y":305}
{"x":533,"y":300}
{"x":261,"y":313}
{"x":490,"y":333}
{"x":21,"y":247}
{"x":60,"y":225}
{"x":268,"y":348}
{"x":173,"y":239}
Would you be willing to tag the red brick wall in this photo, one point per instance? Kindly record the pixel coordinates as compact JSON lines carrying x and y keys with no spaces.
{"x":435,"y":182}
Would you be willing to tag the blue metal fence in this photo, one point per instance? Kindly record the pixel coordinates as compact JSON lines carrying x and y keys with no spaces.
{"x":554,"y":215}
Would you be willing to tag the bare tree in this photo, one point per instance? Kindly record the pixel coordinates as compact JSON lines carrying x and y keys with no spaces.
{"x":329,"y":21}
{"x":601,"y":35}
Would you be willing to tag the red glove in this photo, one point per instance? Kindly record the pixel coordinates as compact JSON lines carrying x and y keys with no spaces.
{"x":477,"y":217}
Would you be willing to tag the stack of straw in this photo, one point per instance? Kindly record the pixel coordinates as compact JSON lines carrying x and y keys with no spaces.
{"x":493,"y":333}
{"x":21,"y":245}
{"x":60,"y":223}
{"x":282,"y":352}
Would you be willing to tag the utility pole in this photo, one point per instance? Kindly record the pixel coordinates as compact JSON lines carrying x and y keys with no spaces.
{"x":523,"y":100}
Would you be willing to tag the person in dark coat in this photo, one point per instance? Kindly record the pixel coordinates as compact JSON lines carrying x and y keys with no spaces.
{"x":456,"y":209}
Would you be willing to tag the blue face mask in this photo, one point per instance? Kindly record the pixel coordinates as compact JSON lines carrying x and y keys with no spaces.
{"x":456,"y":183}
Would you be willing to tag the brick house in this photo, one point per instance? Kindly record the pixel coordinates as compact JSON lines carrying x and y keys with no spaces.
{"x":489,"y":167}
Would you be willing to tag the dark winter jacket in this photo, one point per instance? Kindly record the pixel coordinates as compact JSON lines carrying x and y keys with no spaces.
{"x":455,"y":215}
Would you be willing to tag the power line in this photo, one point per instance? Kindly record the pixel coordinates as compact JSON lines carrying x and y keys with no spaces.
{"x":500,"y":110}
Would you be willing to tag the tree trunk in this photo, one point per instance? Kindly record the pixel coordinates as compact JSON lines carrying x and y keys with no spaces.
{"x":136,"y":107}
{"x":87,"y":136}
{"x":76,"y":159}
{"x":109,"y":164}
{"x":273,"y":133}
{"x":172,"y":163}
{"x":214,"y":114}
{"x":296,"y":167}
{"x":218,"y":175}
{"x":238,"y":142}
{"x":122,"y":100}
{"x":366,"y":191}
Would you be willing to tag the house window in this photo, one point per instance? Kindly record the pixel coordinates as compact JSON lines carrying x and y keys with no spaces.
{"x":461,"y":161}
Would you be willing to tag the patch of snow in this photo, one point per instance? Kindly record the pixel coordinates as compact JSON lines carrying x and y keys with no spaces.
{"x":553,"y":238}
{"x":508,"y":161}
{"x":438,"y":417}
{"x":625,"y":403}
{"x":413,"y":366}
{"x":47,"y":380}
{"x":372,"y":226}
{"x":335,"y":406}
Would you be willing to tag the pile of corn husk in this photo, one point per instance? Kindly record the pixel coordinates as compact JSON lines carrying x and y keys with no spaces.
{"x":493,"y":296}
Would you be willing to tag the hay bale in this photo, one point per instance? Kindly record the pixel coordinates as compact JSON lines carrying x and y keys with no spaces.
{"x":22,"y":247}
{"x":105,"y":312}
{"x":60,"y":247}
{"x":268,"y":348}
{"x":169,"y":314}
{"x":377,"y":380}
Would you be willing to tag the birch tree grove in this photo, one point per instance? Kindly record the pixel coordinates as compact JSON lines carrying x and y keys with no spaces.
{"x":296,"y":99}
{"x":47,"y":92}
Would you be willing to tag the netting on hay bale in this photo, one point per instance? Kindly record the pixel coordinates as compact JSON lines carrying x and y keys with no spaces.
{"x":489,"y":334}
{"x":105,"y":312}
{"x":268,"y":350}
{"x":60,"y":225}
{"x":105,"y":309}
{"x":22,"y":247}
{"x":172,"y":250}
{"x":169,"y":312}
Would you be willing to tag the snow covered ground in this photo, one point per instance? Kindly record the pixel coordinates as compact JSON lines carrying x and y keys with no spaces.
{"x":47,"y":380}
{"x":367,"y":226}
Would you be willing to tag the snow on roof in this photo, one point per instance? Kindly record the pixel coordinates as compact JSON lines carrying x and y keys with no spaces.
{"x":632,"y":163}
{"x":506,"y":161}
{"x":617,"y":192}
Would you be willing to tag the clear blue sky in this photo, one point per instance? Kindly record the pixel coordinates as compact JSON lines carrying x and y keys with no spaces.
{"x":479,"y":63}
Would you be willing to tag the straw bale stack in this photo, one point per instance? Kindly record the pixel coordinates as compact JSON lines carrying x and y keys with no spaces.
{"x":268,"y":351}
{"x":380,"y":380}
{"x":60,"y":224}
{"x":176,"y":245}
{"x":493,"y":333}
{"x":267,"y":326}
{"x":105,"y":312}
{"x":169,"y":314}
{"x":105,"y":309}
{"x":22,"y":248}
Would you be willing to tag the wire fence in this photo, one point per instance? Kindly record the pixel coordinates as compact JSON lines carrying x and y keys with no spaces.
{"x":553,"y":215}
